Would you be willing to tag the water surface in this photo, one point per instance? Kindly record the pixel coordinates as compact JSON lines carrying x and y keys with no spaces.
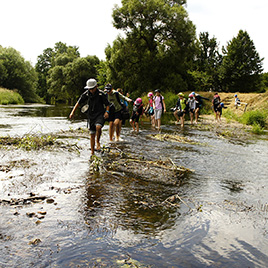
{"x":106,"y":220}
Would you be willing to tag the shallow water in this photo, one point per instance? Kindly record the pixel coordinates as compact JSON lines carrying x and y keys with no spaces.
{"x":106,"y":220}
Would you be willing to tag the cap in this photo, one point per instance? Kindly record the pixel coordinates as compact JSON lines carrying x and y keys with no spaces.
{"x":157,"y":90}
{"x":181,"y":94}
{"x":191,"y":95}
{"x":91,"y":83}
{"x":150,"y":94}
{"x":222,"y":104}
{"x":108,"y":87}
{"x":138,"y":101}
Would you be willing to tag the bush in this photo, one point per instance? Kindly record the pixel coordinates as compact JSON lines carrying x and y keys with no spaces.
{"x":256,"y":117}
{"x":10,"y":97}
{"x":257,"y":129}
{"x":170,"y":100}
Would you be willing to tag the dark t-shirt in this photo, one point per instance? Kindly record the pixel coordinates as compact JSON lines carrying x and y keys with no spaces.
{"x":97,"y":103}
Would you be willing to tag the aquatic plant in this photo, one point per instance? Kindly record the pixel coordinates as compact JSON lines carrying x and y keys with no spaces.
{"x":28,"y":142}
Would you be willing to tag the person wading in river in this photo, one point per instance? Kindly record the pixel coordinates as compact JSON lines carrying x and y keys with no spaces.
{"x":96,"y":101}
{"x":115,"y":117}
{"x":159,"y":107}
{"x":180,"y":109}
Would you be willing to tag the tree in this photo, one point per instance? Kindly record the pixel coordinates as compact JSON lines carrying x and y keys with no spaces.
{"x":17,"y":74}
{"x":60,"y":55}
{"x":68,"y":77}
{"x":242,"y":66}
{"x":157,"y":48}
{"x":205,"y":73}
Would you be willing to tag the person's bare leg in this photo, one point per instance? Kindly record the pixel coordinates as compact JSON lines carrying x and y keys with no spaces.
{"x":92,"y":143}
{"x":137,"y":126}
{"x":117,"y":129}
{"x":98,"y":134}
{"x":111,"y":130}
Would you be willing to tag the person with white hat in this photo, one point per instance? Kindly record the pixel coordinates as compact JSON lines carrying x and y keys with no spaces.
{"x":97,"y":109}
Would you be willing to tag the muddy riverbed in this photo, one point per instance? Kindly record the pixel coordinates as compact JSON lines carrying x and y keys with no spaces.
{"x":204,"y":205}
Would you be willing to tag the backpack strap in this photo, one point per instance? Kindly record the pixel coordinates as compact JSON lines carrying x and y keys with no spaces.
{"x":118,"y":99}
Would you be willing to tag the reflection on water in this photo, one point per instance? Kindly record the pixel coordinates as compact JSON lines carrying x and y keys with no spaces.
{"x":103,"y":219}
{"x":31,"y":119}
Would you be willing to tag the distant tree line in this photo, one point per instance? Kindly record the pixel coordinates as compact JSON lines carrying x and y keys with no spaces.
{"x":159,"y":49}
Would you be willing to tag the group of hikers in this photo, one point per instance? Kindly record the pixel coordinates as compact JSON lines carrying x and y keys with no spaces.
{"x":112,"y":106}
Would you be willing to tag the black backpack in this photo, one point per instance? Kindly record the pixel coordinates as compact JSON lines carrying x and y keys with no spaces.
{"x":216,"y":101}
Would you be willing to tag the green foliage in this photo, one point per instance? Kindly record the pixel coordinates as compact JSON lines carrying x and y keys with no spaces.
{"x":16,"y":73}
{"x":202,"y":81}
{"x":256,"y":117}
{"x":159,"y":40}
{"x":170,"y":100}
{"x":10,"y":97}
{"x":257,"y":129}
{"x":29,"y":142}
{"x":265,"y":79}
{"x":242,"y":66}
{"x":229,"y":114}
{"x":205,"y":74}
{"x":63,"y":74}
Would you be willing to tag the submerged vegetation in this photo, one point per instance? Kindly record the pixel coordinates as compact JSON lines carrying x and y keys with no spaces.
{"x":36,"y":142}
{"x":28,"y":142}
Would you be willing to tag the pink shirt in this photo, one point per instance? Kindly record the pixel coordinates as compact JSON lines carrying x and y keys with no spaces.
{"x":157,"y":101}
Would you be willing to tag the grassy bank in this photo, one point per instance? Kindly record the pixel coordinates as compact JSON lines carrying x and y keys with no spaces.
{"x":254,"y":114}
{"x":10,"y":97}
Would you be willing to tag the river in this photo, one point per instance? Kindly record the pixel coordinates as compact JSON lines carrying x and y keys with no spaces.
{"x":104,"y":220}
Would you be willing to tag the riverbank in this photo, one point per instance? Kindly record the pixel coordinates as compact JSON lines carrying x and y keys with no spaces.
{"x":252,"y":111}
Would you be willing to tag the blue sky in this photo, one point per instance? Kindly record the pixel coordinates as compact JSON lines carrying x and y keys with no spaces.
{"x":30,"y":26}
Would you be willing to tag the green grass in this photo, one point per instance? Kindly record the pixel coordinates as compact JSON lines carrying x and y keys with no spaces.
{"x":10,"y":97}
{"x":257,"y":119}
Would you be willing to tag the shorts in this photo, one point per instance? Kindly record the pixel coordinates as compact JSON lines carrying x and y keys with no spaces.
{"x":180,"y":113}
{"x":192,"y":111}
{"x":96,"y":121}
{"x":114,"y":116}
{"x":158,"y":114}
{"x":215,"y":108}
{"x":134,"y":117}
{"x":218,"y":109}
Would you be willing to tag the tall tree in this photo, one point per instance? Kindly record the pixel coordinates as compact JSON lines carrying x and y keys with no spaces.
{"x":68,"y":77}
{"x":17,"y":74}
{"x":159,"y":38}
{"x":60,"y":55}
{"x":208,"y":60}
{"x":242,"y":66}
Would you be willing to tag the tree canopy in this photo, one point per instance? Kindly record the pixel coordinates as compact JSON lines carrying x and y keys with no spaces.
{"x":156,"y":51}
{"x":242,"y":66}
{"x":63,"y":73}
{"x":208,"y":59}
{"x":17,"y":74}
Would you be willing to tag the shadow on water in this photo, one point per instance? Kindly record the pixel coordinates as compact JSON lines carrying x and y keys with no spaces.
{"x":112,"y":219}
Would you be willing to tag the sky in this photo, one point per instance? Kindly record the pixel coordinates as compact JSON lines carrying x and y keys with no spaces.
{"x":31,"y":26}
